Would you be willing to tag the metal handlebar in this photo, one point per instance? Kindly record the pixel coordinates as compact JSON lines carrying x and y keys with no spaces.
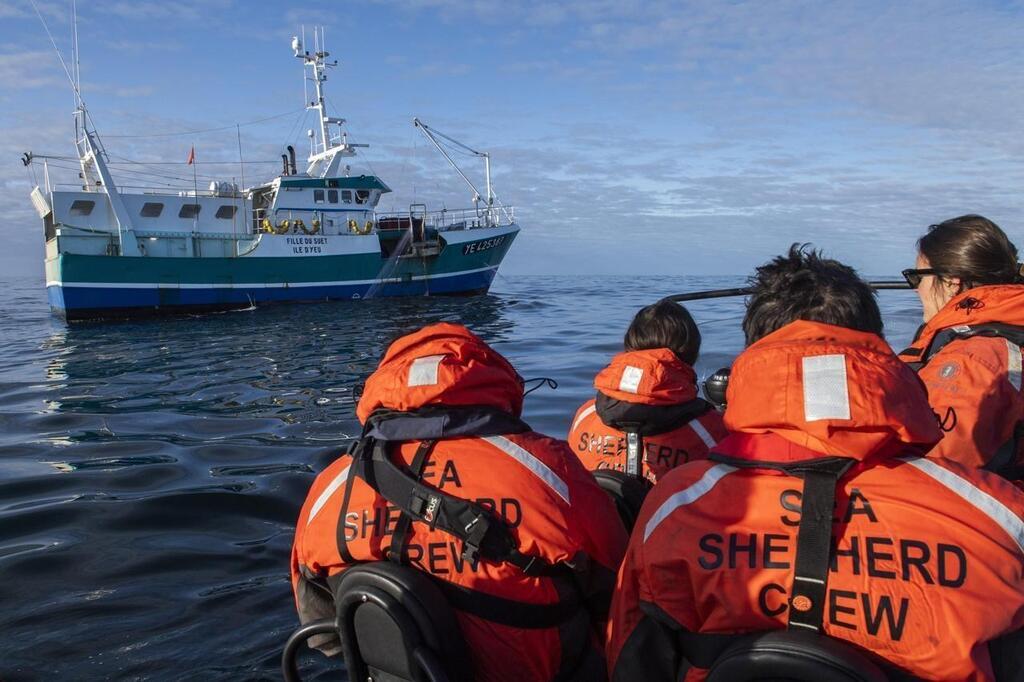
{"x":289,"y":668}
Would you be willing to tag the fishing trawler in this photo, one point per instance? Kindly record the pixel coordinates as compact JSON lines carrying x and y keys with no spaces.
{"x":305,"y":235}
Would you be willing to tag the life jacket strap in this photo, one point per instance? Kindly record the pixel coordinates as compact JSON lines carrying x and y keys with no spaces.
{"x":404,"y":523}
{"x":814,"y":535}
{"x":1012,"y":333}
{"x":484,"y":535}
{"x":634,"y":453}
{"x":814,"y":543}
{"x":341,"y":540}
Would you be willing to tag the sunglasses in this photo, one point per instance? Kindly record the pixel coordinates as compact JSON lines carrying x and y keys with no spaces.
{"x":915,"y":275}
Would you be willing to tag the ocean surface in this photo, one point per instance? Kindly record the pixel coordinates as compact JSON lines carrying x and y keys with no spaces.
{"x":151,"y":472}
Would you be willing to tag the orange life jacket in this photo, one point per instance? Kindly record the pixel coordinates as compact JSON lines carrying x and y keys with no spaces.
{"x":969,"y":356}
{"x":926,"y":569}
{"x":520,"y":538}
{"x":646,"y":400}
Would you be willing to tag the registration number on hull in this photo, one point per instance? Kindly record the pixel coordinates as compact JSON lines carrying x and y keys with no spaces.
{"x":483,"y":245}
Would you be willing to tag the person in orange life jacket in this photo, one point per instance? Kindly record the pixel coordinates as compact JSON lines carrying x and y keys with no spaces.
{"x":647,"y":400}
{"x":917,"y":562}
{"x":968,"y":352}
{"x":443,"y":410}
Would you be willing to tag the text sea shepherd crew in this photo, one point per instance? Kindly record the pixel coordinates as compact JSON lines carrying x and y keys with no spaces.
{"x":924,"y":568}
{"x":442,"y":423}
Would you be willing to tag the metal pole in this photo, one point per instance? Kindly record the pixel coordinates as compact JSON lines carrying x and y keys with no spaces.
{"x":490,"y":194}
{"x":426,"y":131}
{"x":746,"y":291}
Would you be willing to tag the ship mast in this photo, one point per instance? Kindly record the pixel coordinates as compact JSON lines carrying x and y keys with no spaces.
{"x":325,"y":154}
{"x":91,"y":154}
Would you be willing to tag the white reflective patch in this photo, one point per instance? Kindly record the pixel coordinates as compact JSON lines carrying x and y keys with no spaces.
{"x":687,"y":496}
{"x":423,"y":371}
{"x":526,"y":458}
{"x":631,"y":376}
{"x":583,"y":415}
{"x":332,"y":488}
{"x":826,"y":395}
{"x":988,"y":505}
{"x":1013,"y":363}
{"x":699,"y":429}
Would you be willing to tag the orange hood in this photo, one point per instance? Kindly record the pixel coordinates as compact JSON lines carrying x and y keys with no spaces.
{"x":831,"y":390}
{"x":441,"y":364}
{"x":980,"y":305}
{"x":648,"y":377}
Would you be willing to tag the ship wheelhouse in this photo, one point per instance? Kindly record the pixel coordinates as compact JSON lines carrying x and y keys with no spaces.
{"x":334,"y":203}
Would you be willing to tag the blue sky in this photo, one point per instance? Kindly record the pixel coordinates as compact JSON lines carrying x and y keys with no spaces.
{"x":638,"y":138}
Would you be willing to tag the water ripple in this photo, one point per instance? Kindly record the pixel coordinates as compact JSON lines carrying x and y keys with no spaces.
{"x":151,"y":471}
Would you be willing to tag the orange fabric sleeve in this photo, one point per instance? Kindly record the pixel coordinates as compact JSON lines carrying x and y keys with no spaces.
{"x":974,"y":397}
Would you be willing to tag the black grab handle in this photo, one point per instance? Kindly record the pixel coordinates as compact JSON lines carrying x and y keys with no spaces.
{"x":289,"y":669}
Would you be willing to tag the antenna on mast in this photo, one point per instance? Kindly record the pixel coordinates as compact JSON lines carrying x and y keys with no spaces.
{"x":75,"y":54}
{"x":324,"y":149}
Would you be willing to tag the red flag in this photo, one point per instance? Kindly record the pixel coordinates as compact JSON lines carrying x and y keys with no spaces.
{"x":191,"y":156}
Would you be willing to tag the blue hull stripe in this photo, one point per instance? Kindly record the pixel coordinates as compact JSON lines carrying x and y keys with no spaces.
{"x":70,"y":299}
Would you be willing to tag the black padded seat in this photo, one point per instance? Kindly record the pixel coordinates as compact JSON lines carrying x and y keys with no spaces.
{"x":395,"y":626}
{"x":793,"y":656}
{"x":627,"y":491}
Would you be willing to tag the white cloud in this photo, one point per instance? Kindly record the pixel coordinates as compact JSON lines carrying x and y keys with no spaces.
{"x":34,"y":69}
{"x":680,"y":135}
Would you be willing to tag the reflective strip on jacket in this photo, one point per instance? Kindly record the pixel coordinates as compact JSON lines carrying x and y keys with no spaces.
{"x":974,"y":384}
{"x":534,"y":483}
{"x":928,"y":561}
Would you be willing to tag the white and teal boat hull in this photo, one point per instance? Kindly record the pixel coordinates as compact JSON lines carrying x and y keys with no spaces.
{"x":271,"y":268}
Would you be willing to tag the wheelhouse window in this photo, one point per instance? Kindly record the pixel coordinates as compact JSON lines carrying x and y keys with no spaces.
{"x":189,"y":211}
{"x":346,"y":196}
{"x":82,"y":207}
{"x":226,"y":212}
{"x":362,"y":195}
{"x":151,"y":209}
{"x":332,"y":196}
{"x":318,"y":196}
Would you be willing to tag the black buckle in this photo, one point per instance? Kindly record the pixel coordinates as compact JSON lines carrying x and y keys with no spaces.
{"x":475,"y":530}
{"x":528,"y":567}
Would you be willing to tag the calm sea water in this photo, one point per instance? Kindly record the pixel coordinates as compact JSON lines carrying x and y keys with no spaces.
{"x":151,"y":472}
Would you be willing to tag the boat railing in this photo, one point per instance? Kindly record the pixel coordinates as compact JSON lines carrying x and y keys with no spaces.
{"x":445,"y":220}
{"x":147,"y":189}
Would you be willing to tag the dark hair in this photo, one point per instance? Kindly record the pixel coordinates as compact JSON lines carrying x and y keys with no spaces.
{"x":665,"y":324}
{"x":972,"y":248}
{"x":802,"y":285}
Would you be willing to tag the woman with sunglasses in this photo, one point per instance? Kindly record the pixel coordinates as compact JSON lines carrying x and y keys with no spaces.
{"x":968,"y":352}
